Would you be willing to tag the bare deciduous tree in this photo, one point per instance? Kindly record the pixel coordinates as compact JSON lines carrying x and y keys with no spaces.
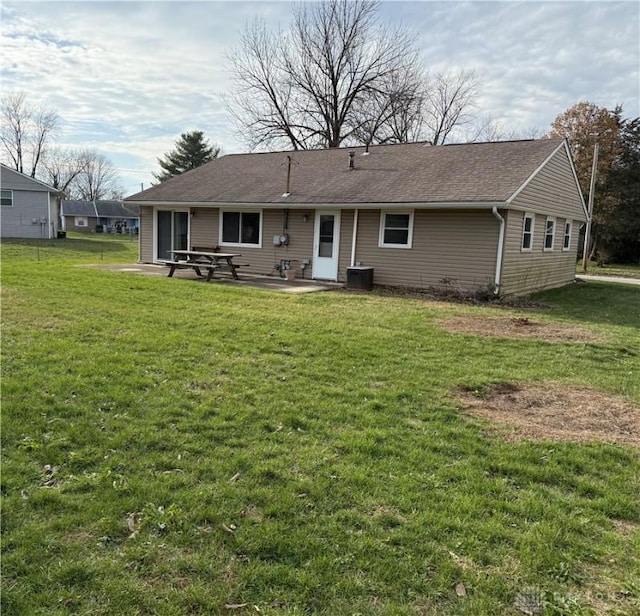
{"x":487,"y":128}
{"x":98,"y":179}
{"x":311,"y":86}
{"x":448,"y":102}
{"x":61,"y":168}
{"x":393,"y":114}
{"x":25,"y":131}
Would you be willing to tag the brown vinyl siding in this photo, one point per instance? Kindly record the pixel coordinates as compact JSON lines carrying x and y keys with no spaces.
{"x":205,"y":232}
{"x":146,"y":234}
{"x":300,"y":238}
{"x":262,"y":260}
{"x":203,"y":228}
{"x":457,"y":246}
{"x":346,"y":239}
{"x":553,"y":191}
{"x":528,"y":271}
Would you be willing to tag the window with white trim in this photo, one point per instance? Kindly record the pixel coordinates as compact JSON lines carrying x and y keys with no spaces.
{"x":6,"y":198}
{"x":566,"y":242}
{"x":81,"y":221}
{"x":240,"y":228}
{"x":527,"y":231}
{"x":396,"y":229}
{"x":549,"y":233}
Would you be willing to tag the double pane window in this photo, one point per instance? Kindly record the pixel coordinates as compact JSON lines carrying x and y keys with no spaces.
{"x":396,"y":229}
{"x":566,"y":244}
{"x":6,"y":197}
{"x":549,"y":233}
{"x":527,"y":232}
{"x":240,"y":228}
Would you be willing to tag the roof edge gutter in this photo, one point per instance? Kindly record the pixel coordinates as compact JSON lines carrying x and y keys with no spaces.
{"x":499,"y":256}
{"x":436,"y":205}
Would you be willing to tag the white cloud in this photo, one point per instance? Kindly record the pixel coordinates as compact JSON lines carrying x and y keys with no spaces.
{"x":129,"y":77}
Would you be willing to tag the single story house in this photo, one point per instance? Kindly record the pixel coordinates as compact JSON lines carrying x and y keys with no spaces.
{"x":78,"y":215}
{"x":103,"y":216}
{"x":503,"y":216}
{"x":28,"y":207}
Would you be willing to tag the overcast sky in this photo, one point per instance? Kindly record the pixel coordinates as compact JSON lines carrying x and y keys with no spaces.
{"x":129,"y":77}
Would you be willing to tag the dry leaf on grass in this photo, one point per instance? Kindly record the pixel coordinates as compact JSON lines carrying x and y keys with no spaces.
{"x":231,"y":529}
{"x":131,"y":522}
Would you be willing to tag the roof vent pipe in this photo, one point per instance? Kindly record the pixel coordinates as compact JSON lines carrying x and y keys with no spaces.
{"x":352,"y":159}
{"x":290,"y":161}
{"x":286,"y":192}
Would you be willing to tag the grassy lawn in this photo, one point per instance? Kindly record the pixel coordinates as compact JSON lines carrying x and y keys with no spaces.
{"x":172,"y":447}
{"x":613,"y":269}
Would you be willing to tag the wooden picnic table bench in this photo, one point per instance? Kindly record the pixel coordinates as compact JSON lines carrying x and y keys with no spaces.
{"x":199,"y":260}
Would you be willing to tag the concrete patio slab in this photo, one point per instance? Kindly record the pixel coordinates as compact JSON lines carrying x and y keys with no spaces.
{"x":257,"y":281}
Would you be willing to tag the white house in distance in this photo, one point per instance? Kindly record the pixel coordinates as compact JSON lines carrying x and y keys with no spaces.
{"x":28,"y":207}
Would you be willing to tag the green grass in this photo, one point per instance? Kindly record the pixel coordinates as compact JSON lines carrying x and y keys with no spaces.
{"x":322,"y":427}
{"x":77,"y":248}
{"x":610,"y":269}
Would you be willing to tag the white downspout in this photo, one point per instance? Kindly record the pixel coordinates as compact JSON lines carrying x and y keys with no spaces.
{"x":500,"y":219}
{"x":353,"y":238}
{"x":49,"y":233}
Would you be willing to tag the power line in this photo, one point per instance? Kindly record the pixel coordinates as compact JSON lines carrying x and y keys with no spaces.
{"x":133,"y":170}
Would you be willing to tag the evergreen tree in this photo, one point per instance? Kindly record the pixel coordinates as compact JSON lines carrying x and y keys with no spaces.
{"x":621,"y":234}
{"x":192,"y":150}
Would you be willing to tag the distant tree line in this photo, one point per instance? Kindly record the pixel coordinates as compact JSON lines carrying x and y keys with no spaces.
{"x":28,"y":134}
{"x":616,"y":214}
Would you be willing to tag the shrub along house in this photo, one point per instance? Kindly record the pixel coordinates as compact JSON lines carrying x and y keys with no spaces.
{"x":502,"y":216}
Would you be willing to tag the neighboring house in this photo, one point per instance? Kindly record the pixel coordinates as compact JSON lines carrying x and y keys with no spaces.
{"x":28,"y":207}
{"x":118,"y":217}
{"x":78,"y":215}
{"x":101,"y":216}
{"x":502,"y":216}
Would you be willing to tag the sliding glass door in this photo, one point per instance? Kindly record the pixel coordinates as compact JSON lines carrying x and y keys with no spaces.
{"x":172,"y":233}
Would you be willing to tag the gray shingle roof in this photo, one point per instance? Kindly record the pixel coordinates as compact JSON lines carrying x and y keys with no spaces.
{"x":116,"y":209}
{"x":101,"y":208}
{"x":72,"y":207}
{"x":414,"y":172}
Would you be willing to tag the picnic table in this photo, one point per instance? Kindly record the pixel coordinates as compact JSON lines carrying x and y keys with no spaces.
{"x":201,"y":260}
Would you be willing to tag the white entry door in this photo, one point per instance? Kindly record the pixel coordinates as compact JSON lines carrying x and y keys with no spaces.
{"x":326,"y":241}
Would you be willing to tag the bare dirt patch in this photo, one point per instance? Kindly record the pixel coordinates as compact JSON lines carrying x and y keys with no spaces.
{"x":625,"y":527}
{"x":551,"y":411}
{"x":518,"y":327}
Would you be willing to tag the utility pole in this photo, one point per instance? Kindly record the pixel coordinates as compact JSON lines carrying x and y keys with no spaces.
{"x":587,"y":233}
